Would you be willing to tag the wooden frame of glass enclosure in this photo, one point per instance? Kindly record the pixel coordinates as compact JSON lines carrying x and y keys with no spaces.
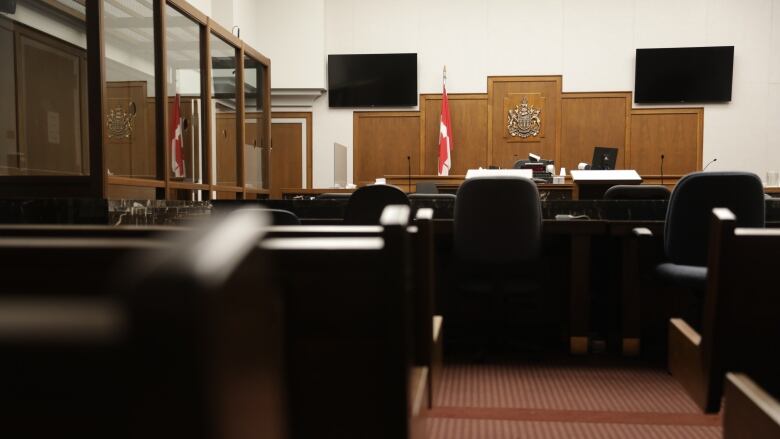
{"x":250,"y":179}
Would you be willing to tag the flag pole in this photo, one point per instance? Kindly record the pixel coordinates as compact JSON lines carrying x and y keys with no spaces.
{"x":444,"y":75}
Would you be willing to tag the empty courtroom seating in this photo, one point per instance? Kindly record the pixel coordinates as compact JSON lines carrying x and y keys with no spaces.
{"x":282,"y":217}
{"x":637,"y":192}
{"x":750,"y":411}
{"x":687,"y":218}
{"x":180,"y":341}
{"x":349,"y":332}
{"x":497,"y":241}
{"x":427,"y":334}
{"x":87,"y":231}
{"x":741,"y":309}
{"x":685,"y":242}
{"x":426,"y":187}
{"x":366,"y":204}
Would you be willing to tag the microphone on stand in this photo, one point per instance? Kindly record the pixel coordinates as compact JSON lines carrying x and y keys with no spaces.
{"x":662,"y":169}
{"x":708,"y":164}
{"x":409,"y":172}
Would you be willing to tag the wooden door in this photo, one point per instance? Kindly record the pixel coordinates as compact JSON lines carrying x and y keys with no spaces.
{"x":286,"y":156}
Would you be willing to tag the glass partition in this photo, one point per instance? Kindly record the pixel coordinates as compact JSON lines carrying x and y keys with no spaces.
{"x":223,"y":110}
{"x":129,"y":120}
{"x":184,"y":97}
{"x":256,"y":151}
{"x":43,"y":81}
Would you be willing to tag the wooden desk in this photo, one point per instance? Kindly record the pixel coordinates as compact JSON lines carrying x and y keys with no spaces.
{"x":580,"y":233}
{"x":451,"y":183}
{"x":289,"y":193}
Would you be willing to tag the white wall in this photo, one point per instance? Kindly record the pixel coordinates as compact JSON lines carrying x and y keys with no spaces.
{"x":590,"y":42}
{"x":293,"y":31}
{"x":203,"y":5}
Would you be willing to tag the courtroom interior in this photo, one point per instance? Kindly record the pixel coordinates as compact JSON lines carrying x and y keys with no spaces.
{"x":415,"y":219}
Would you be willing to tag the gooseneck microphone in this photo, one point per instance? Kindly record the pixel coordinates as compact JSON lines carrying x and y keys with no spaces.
{"x":409,"y":172}
{"x":662,"y":169}
{"x":708,"y":164}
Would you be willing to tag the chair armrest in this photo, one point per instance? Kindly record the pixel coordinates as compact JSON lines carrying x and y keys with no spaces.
{"x":642,"y":232}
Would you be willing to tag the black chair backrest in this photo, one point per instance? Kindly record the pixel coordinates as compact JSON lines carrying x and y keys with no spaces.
{"x":692,"y":201}
{"x":281,"y":217}
{"x":334,"y":196}
{"x":637,"y":192}
{"x":498,"y":220}
{"x":419,"y":196}
{"x":426,"y":187}
{"x":367,"y":203}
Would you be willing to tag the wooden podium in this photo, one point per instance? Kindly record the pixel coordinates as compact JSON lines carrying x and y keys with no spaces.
{"x":592,"y":184}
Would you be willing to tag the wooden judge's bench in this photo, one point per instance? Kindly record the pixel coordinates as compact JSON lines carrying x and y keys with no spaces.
{"x":403,"y":146}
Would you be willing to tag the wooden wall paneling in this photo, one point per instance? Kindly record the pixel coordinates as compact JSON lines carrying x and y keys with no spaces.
{"x":469,"y":117}
{"x":133,"y":156}
{"x":381,"y":142}
{"x":677,"y":133}
{"x":226,"y":150}
{"x":594,"y":119}
{"x":49,"y":116}
{"x":505,"y":92}
{"x":126,"y":192}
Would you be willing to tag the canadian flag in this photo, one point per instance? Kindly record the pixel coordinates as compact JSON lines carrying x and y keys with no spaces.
{"x":177,"y":152}
{"x":445,"y":133}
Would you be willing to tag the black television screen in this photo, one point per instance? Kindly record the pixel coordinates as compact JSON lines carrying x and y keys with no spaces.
{"x":685,"y":74}
{"x":375,"y":80}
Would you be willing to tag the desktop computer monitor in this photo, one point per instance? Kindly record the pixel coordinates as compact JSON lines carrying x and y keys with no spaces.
{"x":604,"y":158}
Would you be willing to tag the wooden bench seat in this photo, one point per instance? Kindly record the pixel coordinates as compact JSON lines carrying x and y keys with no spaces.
{"x":187,"y":344}
{"x":347,"y":302}
{"x":427,"y":328}
{"x":750,"y":412}
{"x":741,"y":312}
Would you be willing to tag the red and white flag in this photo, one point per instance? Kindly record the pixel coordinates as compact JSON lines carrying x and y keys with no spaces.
{"x":445,"y":132}
{"x":177,"y":151}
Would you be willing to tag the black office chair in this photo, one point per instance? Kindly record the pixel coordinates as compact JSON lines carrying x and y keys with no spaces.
{"x":432,"y":197}
{"x":366,"y":204}
{"x":498,"y":221}
{"x":686,"y":231}
{"x":426,"y":187}
{"x":334,"y":196}
{"x":637,"y":192}
{"x":283,"y":217}
{"x":497,"y":238}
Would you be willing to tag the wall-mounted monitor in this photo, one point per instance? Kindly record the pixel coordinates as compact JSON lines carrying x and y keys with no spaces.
{"x":684,"y":74}
{"x":372,"y":80}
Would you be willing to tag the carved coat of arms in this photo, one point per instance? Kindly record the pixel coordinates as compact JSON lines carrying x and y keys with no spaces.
{"x":120,"y":122}
{"x":524,"y":120}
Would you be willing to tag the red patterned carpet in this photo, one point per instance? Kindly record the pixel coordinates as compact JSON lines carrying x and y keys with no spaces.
{"x":564,"y":400}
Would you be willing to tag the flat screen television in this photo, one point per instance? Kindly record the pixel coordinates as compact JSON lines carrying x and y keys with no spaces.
{"x":684,"y":74}
{"x":372,"y":80}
